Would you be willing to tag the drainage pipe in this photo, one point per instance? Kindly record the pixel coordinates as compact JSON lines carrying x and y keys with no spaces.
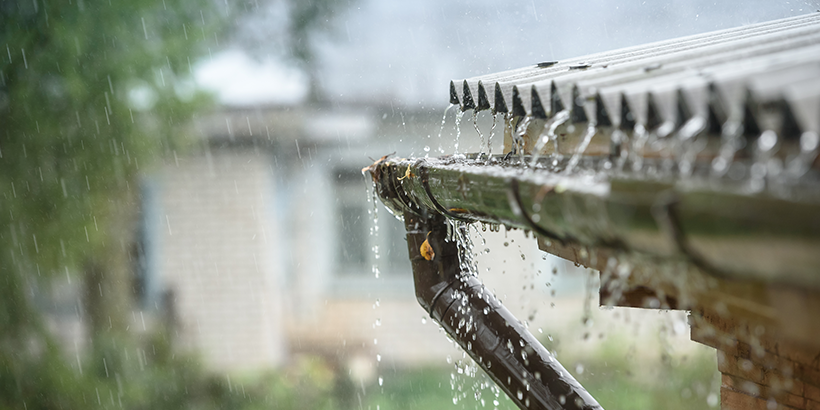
{"x":498,"y":342}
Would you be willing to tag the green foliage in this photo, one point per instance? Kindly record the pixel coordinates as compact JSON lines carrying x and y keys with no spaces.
{"x":434,"y":388}
{"x":91,"y":94}
{"x":615,"y":380}
{"x":74,"y":131}
{"x":621,"y":380}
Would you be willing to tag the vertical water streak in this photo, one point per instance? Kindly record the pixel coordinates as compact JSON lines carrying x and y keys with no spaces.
{"x":490,"y":138}
{"x":374,"y":234}
{"x":689,"y":147}
{"x":766,"y":145}
{"x":636,"y":150}
{"x":480,"y":135}
{"x":458,"y":130}
{"x":441,"y":128}
{"x":617,"y":140}
{"x":374,"y":229}
{"x":518,"y":138}
{"x":548,"y":134}
{"x":730,"y":142}
{"x":579,"y":152}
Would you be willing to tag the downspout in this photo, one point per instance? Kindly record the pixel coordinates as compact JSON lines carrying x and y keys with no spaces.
{"x":498,"y":342}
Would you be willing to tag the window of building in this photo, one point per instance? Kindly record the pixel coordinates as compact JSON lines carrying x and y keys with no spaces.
{"x":356,"y":237}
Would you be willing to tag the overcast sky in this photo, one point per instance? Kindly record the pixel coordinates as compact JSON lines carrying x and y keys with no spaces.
{"x":406,"y":52}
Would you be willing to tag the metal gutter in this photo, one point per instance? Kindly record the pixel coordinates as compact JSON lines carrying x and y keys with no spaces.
{"x":718,"y":226}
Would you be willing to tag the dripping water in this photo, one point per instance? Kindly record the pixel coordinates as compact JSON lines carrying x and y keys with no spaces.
{"x":579,"y":152}
{"x":490,"y":138}
{"x":800,"y":164}
{"x":480,"y":134}
{"x":641,"y":136}
{"x":374,"y":235}
{"x":689,"y":144}
{"x":441,"y":127}
{"x":518,"y":137}
{"x":458,"y":131}
{"x":548,"y":135}
{"x":731,"y":141}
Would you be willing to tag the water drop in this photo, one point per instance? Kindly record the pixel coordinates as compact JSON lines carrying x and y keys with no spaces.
{"x":712,"y":400}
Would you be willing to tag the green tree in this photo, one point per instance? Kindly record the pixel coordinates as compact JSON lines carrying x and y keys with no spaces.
{"x":91,"y":93}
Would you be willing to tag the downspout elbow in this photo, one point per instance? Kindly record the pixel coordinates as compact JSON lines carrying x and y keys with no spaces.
{"x":483,"y":327}
{"x":500,"y":344}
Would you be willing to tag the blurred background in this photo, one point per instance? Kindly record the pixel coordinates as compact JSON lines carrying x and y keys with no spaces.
{"x":184,"y":222}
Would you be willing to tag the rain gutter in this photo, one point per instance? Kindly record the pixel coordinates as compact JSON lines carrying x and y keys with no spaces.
{"x":716,"y":225}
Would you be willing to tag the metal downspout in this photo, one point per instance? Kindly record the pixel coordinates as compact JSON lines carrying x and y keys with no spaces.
{"x":483,"y":327}
{"x":498,"y":342}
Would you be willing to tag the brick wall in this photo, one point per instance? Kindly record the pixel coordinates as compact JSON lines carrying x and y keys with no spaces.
{"x":216,"y":252}
{"x":759,"y":370}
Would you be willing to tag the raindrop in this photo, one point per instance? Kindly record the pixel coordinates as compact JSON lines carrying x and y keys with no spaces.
{"x":767,"y":140}
{"x":712,"y":400}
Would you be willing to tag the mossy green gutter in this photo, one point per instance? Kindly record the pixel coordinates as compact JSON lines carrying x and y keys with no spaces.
{"x":715,"y":225}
